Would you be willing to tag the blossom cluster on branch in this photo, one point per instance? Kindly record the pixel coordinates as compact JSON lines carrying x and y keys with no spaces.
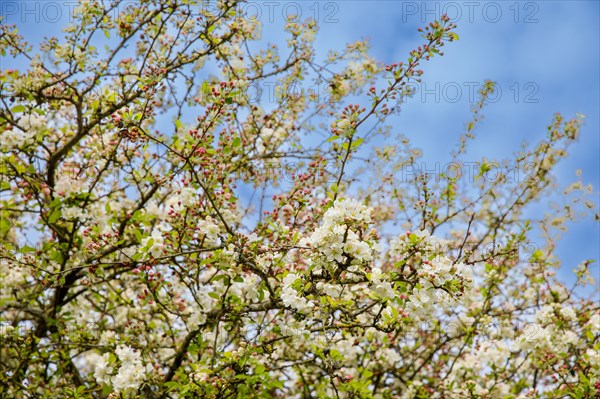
{"x":145,"y":254}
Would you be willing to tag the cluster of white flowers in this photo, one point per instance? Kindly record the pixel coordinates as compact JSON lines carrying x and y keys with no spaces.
{"x":6,"y":330}
{"x":545,"y":315}
{"x":67,"y":184}
{"x":594,"y":358}
{"x":196,"y":317}
{"x":290,"y":296}
{"x":154,"y":244}
{"x":237,"y":63}
{"x":33,"y":121}
{"x":340,"y":235}
{"x":16,"y":138}
{"x":66,"y":51}
{"x":594,"y":323}
{"x":362,"y":69}
{"x":182,"y":198}
{"x":440,"y":281}
{"x":107,"y":337}
{"x":130,"y":375}
{"x":349,"y":351}
{"x":103,"y":370}
{"x":381,"y":287}
{"x":294,"y":329}
{"x":342,"y":126}
{"x":309,"y":35}
{"x":347,"y":209}
{"x":441,"y":284}
{"x":549,"y":312}
{"x":421,"y":240}
{"x":549,"y":337}
{"x":389,"y":356}
{"x":12,"y":277}
{"x":545,"y":333}
{"x":329,"y":289}
{"x":355,"y":75}
{"x":249,"y":287}
{"x":210,"y":231}
{"x":469,"y":367}
{"x":568,"y":313}
{"x":72,"y":212}
{"x":343,"y":86}
{"x":251,"y":27}
{"x":199,"y":376}
{"x":231,"y":216}
{"x":270,"y":138}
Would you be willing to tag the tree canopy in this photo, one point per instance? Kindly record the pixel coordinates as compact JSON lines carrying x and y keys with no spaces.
{"x":165,"y":233}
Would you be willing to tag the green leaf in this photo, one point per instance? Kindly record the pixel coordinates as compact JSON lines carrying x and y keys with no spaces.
{"x":357,"y":142}
{"x":4,"y":226}
{"x":26,"y":249}
{"x":112,"y":97}
{"x":537,"y":256}
{"x":589,"y":335}
{"x":82,"y":196}
{"x":237,"y":142}
{"x":18,"y":108}
{"x":54,"y":215}
{"x":56,"y":256}
{"x":172,"y":385}
{"x":297,"y":284}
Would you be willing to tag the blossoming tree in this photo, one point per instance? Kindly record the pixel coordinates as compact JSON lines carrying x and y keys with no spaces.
{"x":154,"y":245}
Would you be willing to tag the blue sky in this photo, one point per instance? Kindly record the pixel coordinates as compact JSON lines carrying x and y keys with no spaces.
{"x":544,"y":55}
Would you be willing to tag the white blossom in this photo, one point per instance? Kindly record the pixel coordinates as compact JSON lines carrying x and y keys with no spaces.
{"x":154,"y":243}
